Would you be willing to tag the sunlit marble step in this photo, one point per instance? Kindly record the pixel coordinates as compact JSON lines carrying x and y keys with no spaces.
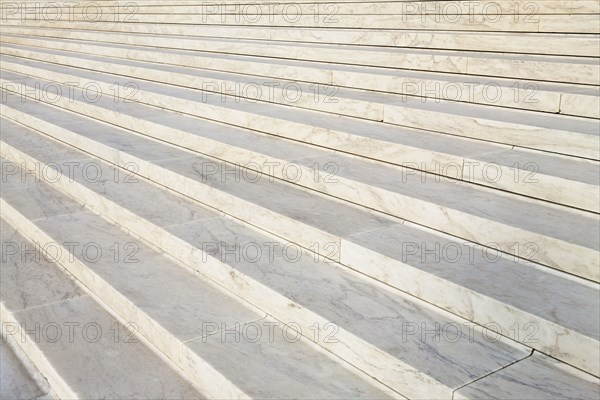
{"x":506,"y":42}
{"x":19,"y":379}
{"x":83,"y":351}
{"x":310,"y":295}
{"x":554,"y":133}
{"x":570,"y":135}
{"x":561,"y":180}
{"x":536,"y":377}
{"x":194,"y":323}
{"x":545,"y":23}
{"x":533,"y":67}
{"x":576,"y":100}
{"x":468,"y":284}
{"x":489,"y":216}
{"x":561,"y":134}
{"x":247,"y":9}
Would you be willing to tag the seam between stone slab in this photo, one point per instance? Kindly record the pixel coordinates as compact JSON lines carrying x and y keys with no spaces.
{"x":491,"y":373}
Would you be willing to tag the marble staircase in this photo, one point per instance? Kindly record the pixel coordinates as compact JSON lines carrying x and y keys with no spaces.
{"x":302,"y":200}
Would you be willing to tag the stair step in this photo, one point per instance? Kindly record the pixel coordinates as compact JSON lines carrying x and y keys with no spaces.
{"x":18,"y":378}
{"x":505,"y":42}
{"x":81,"y":349}
{"x":370,"y":244}
{"x":536,"y":377}
{"x":177,"y":312}
{"x":216,"y":51}
{"x":308,"y":291}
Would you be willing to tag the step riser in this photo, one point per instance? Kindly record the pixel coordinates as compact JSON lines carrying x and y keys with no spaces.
{"x":573,"y":348}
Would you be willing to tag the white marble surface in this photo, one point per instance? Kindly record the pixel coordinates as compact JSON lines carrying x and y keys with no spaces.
{"x":17,"y":380}
{"x":129,"y":150}
{"x":30,"y":281}
{"x":345,"y":7}
{"x":567,"y":346}
{"x":252,"y":353}
{"x":483,"y":286}
{"x":222,"y":55}
{"x":577,"y":138}
{"x":255,"y":194}
{"x":358,"y":341}
{"x":546,"y":97}
{"x":38,"y":291}
{"x":536,"y":377}
{"x":409,"y":189}
{"x":307,"y":291}
{"x":504,"y":22}
{"x":557,"y":44}
{"x":100,"y":366}
{"x":174,"y":307}
{"x":397,"y":145}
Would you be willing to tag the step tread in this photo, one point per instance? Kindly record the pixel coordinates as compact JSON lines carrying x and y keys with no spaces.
{"x":554,"y":297}
{"x":107,"y":360}
{"x":372,"y":313}
{"x":18,"y":381}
